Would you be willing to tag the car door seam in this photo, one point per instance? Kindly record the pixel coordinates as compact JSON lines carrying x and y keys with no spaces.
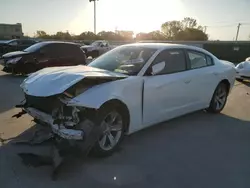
{"x":142,"y":101}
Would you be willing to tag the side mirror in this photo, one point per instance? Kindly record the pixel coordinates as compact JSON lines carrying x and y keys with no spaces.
{"x":157,"y":68}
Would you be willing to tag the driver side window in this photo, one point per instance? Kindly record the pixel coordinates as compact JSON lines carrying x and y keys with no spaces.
{"x":169,"y":61}
{"x":13,"y":43}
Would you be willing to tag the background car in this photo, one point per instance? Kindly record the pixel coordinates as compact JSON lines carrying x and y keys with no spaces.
{"x":243,"y":70}
{"x":15,"y":45}
{"x":41,"y":55}
{"x":128,"y":89}
{"x":96,"y":48}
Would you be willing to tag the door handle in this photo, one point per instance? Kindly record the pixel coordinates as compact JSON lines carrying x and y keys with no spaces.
{"x":215,"y":73}
{"x":187,"y":81}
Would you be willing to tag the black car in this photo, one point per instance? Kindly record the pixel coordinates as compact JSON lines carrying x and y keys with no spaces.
{"x":41,"y":55}
{"x":15,"y":45}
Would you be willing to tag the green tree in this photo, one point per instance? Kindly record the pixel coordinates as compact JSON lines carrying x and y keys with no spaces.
{"x":156,"y":35}
{"x":62,"y":36}
{"x":171,"y":28}
{"x":186,"y":29}
{"x":42,"y":35}
{"x":109,"y":35}
{"x":191,"y":34}
{"x":126,"y":35}
{"x":188,"y":22}
{"x":88,"y":35}
{"x":153,"y":35}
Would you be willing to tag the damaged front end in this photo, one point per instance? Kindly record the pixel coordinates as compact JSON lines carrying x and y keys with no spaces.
{"x":67,"y":122}
{"x":72,"y":127}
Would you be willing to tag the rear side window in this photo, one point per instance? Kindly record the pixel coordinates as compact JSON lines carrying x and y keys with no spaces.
{"x":69,"y":50}
{"x":75,"y":50}
{"x":199,"y":60}
{"x":27,"y":42}
{"x":50,"y":50}
{"x":174,"y":61}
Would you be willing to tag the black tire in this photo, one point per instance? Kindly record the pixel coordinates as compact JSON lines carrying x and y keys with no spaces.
{"x":216,"y":106}
{"x":239,"y":79}
{"x":97,"y":150}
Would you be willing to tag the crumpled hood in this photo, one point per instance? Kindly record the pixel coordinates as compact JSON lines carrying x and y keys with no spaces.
{"x":55,"y":80}
{"x":15,"y":54}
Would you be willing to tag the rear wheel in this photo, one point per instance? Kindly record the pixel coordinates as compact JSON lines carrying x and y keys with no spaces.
{"x":219,"y":99}
{"x":113,"y":122}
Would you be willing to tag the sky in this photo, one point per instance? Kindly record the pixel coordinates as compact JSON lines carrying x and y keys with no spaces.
{"x":220,"y":16}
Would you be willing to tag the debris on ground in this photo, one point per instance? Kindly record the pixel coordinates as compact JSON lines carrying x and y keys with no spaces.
{"x":63,"y":150}
{"x":39,"y":136}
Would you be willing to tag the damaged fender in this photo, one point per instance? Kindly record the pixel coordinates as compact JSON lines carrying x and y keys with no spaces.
{"x":128,"y":91}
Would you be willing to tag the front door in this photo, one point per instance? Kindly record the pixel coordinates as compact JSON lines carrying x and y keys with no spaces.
{"x":165,"y":94}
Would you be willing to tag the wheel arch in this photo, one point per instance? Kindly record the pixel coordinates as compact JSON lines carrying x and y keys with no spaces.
{"x":227,"y":83}
{"x":122,"y":106}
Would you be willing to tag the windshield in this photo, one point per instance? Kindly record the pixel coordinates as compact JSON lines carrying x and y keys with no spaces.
{"x":34,"y":47}
{"x":125,"y":59}
{"x":96,"y":43}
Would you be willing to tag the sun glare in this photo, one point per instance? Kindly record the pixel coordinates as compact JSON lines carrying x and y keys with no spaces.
{"x":134,"y":15}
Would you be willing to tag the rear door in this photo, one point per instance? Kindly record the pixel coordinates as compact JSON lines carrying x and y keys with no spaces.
{"x":47,"y":56}
{"x":68,"y":54}
{"x":203,"y":77}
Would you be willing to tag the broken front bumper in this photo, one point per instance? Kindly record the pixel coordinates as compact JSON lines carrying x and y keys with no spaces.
{"x":60,"y":130}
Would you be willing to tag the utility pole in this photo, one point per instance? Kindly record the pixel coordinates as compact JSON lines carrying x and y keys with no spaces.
{"x":94,"y":14}
{"x":238,"y":30}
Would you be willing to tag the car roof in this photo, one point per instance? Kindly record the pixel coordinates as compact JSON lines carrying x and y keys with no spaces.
{"x":164,"y":46}
{"x":57,"y":42}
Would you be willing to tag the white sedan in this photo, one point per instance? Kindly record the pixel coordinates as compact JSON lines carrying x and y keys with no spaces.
{"x":243,"y":70}
{"x":127,"y":89}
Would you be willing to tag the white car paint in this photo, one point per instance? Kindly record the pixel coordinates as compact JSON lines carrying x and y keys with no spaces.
{"x":55,"y":80}
{"x":243,"y":69}
{"x":149,"y":99}
{"x":102,"y":47}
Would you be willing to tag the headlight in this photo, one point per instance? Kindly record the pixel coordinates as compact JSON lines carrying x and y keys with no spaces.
{"x":14,"y":60}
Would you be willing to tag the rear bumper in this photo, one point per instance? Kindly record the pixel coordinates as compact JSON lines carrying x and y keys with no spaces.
{"x":69,"y":134}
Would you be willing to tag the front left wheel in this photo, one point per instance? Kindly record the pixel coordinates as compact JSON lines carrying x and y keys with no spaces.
{"x":113,"y":122}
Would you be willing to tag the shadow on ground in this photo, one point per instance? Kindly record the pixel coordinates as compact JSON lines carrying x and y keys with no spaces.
{"x":197,"y":150}
{"x":11,"y":93}
{"x":247,"y":83}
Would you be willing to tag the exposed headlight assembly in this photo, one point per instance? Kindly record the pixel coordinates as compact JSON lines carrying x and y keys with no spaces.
{"x":14,"y":60}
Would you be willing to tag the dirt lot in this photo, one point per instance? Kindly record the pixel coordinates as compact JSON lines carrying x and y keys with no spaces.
{"x":197,"y":150}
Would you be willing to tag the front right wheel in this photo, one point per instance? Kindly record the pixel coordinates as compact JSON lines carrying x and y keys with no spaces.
{"x":219,"y":98}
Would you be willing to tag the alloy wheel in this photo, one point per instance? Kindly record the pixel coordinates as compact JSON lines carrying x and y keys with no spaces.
{"x":220,"y":98}
{"x":112,"y":131}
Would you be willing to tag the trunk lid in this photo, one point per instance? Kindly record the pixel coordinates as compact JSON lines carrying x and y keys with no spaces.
{"x":55,"y":80}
